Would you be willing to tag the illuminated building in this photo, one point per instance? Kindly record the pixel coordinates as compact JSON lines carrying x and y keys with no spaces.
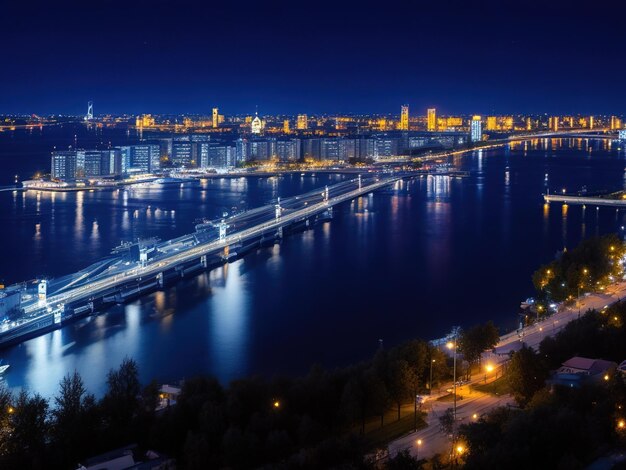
{"x":256,"y":125}
{"x":63,"y":166}
{"x":145,"y":121}
{"x":616,"y":123}
{"x":183,"y":152}
{"x":529,"y":124}
{"x":404,"y":117}
{"x":302,"y":122}
{"x":216,"y":118}
{"x":454,"y":121}
{"x":286,"y":129}
{"x":499,"y":123}
{"x":622,"y":134}
{"x":571,"y":121}
{"x":476,"y":129}
{"x":590,"y":122}
{"x":382,"y":124}
{"x":553,"y":123}
{"x":432,"y":119}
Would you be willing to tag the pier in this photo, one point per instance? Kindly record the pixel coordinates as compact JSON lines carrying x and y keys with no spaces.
{"x":584,"y":200}
{"x":137,"y":268}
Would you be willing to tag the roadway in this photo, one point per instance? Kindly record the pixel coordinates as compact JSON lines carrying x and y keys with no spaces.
{"x":475,"y":403}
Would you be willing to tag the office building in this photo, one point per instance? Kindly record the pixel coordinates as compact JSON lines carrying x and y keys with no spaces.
{"x":302,"y":123}
{"x":63,"y":166}
{"x":256,"y":126}
{"x":431,"y":123}
{"x":476,"y":129}
{"x":404,"y":117}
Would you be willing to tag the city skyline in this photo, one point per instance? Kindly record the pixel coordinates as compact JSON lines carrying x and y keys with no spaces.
{"x":166,"y":58}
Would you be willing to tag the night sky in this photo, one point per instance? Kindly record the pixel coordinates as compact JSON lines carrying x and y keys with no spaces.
{"x":312,"y":56}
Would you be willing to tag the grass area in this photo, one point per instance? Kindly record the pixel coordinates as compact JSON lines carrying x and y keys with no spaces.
{"x":497,"y":387}
{"x":393,"y":429}
{"x":450,"y":398}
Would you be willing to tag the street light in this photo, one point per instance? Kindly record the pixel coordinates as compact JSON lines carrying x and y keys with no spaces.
{"x":419,"y":444}
{"x":430,"y":385}
{"x":453,"y":345}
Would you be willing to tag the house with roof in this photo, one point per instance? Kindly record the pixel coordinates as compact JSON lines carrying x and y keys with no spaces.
{"x":577,"y":370}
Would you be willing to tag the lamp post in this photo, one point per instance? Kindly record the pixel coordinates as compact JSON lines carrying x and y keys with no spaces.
{"x":452,"y":345}
{"x":419,"y":444}
{"x":430,"y":384}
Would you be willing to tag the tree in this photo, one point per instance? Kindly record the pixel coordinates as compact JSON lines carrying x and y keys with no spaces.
{"x":403,"y":460}
{"x":29,"y":423}
{"x":121,"y":400}
{"x":526,"y":375}
{"x":477,"y":339}
{"x":74,"y":420}
{"x":401,"y":382}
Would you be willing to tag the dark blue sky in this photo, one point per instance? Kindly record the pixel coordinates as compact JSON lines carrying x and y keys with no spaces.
{"x":321,"y":56}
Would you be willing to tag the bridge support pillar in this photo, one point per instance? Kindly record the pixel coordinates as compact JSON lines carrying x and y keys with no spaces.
{"x":329,"y":211}
{"x":278,"y":209}
{"x":203,"y":261}
{"x":360,"y":182}
{"x":307,"y":222}
{"x":279,"y":232}
{"x":159,"y":278}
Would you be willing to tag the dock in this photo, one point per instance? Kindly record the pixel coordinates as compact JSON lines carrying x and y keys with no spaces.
{"x":584,"y":200}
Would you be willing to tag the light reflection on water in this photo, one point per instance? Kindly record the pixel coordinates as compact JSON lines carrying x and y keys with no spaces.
{"x":411,"y":260}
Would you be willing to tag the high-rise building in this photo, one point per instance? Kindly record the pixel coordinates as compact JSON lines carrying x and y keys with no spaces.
{"x":256,"y":125}
{"x":404,"y":117}
{"x":590,"y":122}
{"x":302,"y":123}
{"x":492,"y":123}
{"x":286,"y":129}
{"x":145,"y":158}
{"x":183,"y":153}
{"x":616,"y":123}
{"x":432,"y":119}
{"x":553,"y":123}
{"x":529,"y":124}
{"x":216,"y":117}
{"x":63,"y":166}
{"x":476,"y":129}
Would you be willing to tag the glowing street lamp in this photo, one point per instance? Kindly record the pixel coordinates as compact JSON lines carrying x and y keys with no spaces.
{"x":419,"y":444}
{"x":453,"y":345}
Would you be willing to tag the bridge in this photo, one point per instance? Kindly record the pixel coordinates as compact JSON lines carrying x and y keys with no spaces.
{"x":138,"y":268}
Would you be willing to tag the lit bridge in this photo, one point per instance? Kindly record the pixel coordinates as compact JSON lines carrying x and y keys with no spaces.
{"x":145,"y":266}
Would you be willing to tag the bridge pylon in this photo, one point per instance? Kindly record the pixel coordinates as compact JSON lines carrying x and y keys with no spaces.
{"x":278,"y":209}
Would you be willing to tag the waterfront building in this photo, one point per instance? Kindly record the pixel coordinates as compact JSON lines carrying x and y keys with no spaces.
{"x":476,"y":129}
{"x":216,"y":118}
{"x":432,"y":120}
{"x":404,"y":117}
{"x":145,"y":158}
{"x":183,"y":152}
{"x":63,"y":165}
{"x":553,"y":123}
{"x":288,"y":150}
{"x":616,"y":123}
